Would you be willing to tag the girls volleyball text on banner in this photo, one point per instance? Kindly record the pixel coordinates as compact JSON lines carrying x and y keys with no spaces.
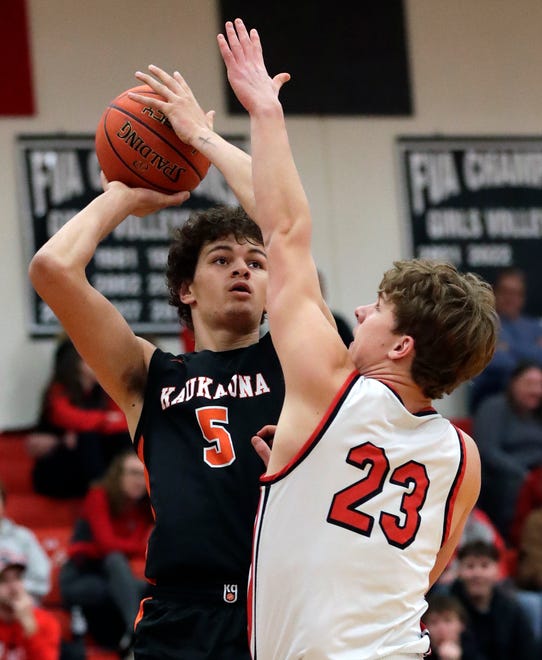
{"x":60,"y":175}
{"x":476,"y":202}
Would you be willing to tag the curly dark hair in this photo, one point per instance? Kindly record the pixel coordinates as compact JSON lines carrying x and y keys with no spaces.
{"x":451,"y":317}
{"x":188,"y":240}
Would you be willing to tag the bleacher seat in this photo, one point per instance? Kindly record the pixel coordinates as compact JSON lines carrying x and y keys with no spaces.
{"x":35,"y":511}
{"x":463,"y":423}
{"x":15,"y":463}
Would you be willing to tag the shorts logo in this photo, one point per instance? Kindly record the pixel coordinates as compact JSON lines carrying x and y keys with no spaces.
{"x":230,"y":593}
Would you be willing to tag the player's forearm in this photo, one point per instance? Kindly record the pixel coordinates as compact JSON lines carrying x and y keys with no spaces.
{"x":281,"y":203}
{"x":234,"y":164}
{"x":75,"y":243}
{"x":61,"y":262}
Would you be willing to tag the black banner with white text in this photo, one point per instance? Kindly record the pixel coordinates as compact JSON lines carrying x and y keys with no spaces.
{"x":59,"y":175}
{"x":476,"y":202}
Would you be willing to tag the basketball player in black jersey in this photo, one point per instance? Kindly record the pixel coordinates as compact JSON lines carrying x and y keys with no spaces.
{"x":191,"y":416}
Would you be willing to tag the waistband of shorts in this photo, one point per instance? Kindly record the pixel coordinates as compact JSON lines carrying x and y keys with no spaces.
{"x":229,"y":592}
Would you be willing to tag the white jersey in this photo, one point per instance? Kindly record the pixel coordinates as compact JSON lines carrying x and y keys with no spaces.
{"x":348,"y":532}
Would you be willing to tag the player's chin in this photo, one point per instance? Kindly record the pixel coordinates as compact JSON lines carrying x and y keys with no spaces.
{"x":244,"y":317}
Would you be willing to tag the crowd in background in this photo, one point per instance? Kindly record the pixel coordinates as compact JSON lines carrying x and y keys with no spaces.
{"x":487,"y":604}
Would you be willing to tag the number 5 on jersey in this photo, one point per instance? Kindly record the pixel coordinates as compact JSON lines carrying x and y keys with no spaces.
{"x":211,"y":420}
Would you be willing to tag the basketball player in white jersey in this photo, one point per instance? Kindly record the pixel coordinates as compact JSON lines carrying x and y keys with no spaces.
{"x":368,"y":487}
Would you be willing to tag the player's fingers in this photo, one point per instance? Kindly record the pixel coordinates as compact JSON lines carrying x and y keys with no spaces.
{"x":181,"y":82}
{"x":163,"y":76}
{"x":267,"y":432}
{"x":233,"y":41}
{"x":255,"y":39}
{"x":151,"y":101}
{"x":280,"y":79}
{"x":262,"y":449}
{"x":224,"y":49}
{"x":154,"y":84}
{"x":242,"y":34}
{"x":210,"y":116}
{"x":177,"y":198}
{"x":163,"y":200}
{"x":162,"y":84}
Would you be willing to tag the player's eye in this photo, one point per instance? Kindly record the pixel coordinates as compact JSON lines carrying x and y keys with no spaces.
{"x":255,"y":264}
{"x":220,"y":260}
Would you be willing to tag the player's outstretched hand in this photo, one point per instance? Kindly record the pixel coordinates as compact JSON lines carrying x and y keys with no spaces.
{"x":262,"y":442}
{"x":178,"y":103}
{"x":142,"y":201}
{"x":243,"y":57}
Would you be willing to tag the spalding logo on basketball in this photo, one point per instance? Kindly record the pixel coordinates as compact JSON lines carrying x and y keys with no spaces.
{"x":138,"y":146}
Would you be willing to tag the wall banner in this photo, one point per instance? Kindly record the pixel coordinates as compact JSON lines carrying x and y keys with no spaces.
{"x":476,"y":202}
{"x":59,"y":175}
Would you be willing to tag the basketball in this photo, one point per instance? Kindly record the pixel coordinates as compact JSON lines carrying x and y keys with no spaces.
{"x":138,"y":146}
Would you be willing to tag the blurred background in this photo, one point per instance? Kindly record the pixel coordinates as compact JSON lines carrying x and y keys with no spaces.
{"x":469,"y":69}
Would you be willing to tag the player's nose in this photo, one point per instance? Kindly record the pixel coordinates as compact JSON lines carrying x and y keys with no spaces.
{"x":362,"y":312}
{"x":240,"y":269}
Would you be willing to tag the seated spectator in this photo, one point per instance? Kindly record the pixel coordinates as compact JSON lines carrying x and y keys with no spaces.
{"x":23,"y":542}
{"x":508,"y":432}
{"x":451,"y":638}
{"x":26,"y":631}
{"x":520,"y":337}
{"x":79,"y":431}
{"x":529,"y":567}
{"x":107,"y":550}
{"x":477,"y":528}
{"x":496,"y":617}
{"x":529,"y":498}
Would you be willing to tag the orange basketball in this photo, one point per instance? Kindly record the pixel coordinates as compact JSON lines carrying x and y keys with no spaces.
{"x":137,"y":145}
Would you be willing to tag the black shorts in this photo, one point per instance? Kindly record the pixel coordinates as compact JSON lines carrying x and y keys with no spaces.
{"x":192,"y":625}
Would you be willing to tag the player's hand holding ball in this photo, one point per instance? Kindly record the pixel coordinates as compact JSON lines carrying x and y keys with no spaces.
{"x":143,"y":136}
{"x":143,"y":201}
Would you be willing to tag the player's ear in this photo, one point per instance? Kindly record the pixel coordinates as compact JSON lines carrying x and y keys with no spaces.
{"x":403,"y":347}
{"x":186,"y":295}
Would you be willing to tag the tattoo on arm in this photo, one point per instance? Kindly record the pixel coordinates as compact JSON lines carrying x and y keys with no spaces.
{"x":206,"y":140}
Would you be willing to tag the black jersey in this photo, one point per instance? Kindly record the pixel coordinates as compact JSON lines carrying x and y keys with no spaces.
{"x":199,"y":414}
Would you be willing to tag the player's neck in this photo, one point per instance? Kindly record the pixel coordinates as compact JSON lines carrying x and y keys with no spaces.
{"x":224,"y":339}
{"x":412,"y":397}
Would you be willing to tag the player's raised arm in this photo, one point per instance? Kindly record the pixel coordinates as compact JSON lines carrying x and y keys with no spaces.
{"x":99,"y":332}
{"x":314,"y":360}
{"x":195,"y":127}
{"x":282,"y":209}
{"x":281,"y":200}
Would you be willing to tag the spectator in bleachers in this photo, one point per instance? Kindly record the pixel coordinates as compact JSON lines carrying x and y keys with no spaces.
{"x":447,"y":623}
{"x":508,"y":432}
{"x":498,"y":620}
{"x":520,"y":337}
{"x":22,"y":541}
{"x":27,"y":632}
{"x":529,"y":568}
{"x":478,"y":527}
{"x":104,"y":569}
{"x":529,"y":499}
{"x":79,"y":431}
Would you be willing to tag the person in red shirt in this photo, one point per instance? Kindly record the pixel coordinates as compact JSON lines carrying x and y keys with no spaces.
{"x":104,"y":571}
{"x":80,"y":429}
{"x":26,"y":632}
